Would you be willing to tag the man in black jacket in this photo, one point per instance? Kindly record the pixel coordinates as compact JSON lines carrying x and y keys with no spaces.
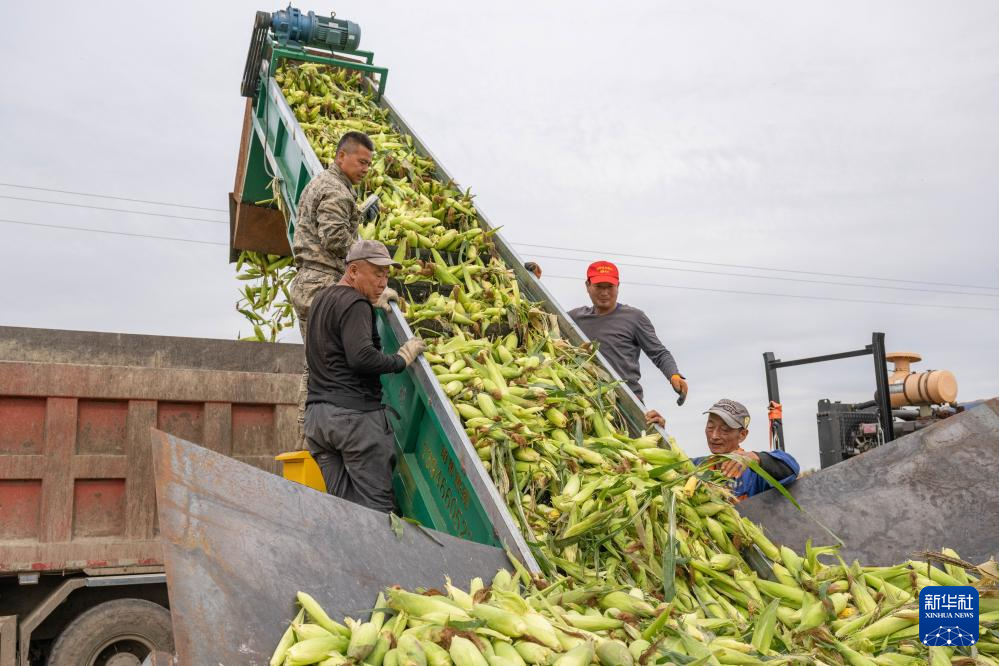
{"x":346,"y":426}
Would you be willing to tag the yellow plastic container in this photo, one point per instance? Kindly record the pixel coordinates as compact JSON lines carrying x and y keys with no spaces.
{"x":299,"y":466}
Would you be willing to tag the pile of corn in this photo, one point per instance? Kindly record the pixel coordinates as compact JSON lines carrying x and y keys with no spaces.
{"x":640,"y":549}
{"x":498,"y":625}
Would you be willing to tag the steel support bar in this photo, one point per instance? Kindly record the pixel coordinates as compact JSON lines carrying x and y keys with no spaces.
{"x":881,"y":377}
{"x":294,"y":54}
{"x":773,"y":396}
{"x":825,"y":357}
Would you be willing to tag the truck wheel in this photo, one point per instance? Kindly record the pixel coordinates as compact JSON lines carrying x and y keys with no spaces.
{"x":115,"y":633}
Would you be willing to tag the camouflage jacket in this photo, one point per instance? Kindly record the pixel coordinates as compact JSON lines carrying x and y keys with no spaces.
{"x":326,"y":225}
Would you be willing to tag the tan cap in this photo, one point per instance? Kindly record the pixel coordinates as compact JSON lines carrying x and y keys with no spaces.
{"x":371,"y":251}
{"x":734,"y":414}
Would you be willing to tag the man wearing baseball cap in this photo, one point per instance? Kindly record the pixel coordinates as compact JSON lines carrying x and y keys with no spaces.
{"x":346,"y":426}
{"x":726,"y":430}
{"x":623,"y":331}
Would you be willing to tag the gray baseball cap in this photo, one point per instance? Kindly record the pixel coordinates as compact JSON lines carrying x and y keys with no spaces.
{"x":373,"y":252}
{"x":734,"y":414}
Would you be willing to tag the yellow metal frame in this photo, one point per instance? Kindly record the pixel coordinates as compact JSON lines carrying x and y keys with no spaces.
{"x":300,"y":467}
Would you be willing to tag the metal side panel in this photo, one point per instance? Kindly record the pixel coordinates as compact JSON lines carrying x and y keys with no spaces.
{"x":931,"y":489}
{"x":239,"y":544}
{"x":435,"y":442}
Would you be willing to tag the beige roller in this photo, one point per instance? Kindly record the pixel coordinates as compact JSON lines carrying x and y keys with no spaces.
{"x":932,"y":387}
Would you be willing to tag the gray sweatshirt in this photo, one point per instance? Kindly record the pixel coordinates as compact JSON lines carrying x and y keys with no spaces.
{"x":622,"y":334}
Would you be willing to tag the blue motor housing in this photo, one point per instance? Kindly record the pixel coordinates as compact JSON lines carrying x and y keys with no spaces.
{"x":292,"y":27}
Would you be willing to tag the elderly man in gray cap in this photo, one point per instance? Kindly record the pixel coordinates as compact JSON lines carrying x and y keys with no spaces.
{"x":346,"y":426}
{"x":726,"y":430}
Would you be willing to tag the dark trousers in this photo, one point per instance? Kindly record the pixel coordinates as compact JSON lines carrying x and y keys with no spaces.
{"x":355,"y":452}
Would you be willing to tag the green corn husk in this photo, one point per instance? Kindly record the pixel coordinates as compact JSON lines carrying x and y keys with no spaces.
{"x":410,"y":651}
{"x":592,"y":622}
{"x":498,"y":619}
{"x":417,"y":605}
{"x":509,"y":652}
{"x":532,"y":653}
{"x":311,"y":651}
{"x":578,"y":656}
{"x":319,"y":616}
{"x":287,"y":640}
{"x":627,"y":603}
{"x":614,"y":653}
{"x":464,"y":653}
{"x":362,"y":641}
{"x":435,"y":654}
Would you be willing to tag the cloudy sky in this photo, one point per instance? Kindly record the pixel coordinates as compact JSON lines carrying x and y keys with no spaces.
{"x":827,"y":141}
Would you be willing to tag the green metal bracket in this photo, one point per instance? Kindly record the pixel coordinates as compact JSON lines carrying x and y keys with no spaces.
{"x":368,"y":66}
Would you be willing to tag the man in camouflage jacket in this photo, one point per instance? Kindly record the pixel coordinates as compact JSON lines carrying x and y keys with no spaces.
{"x":325,"y":228}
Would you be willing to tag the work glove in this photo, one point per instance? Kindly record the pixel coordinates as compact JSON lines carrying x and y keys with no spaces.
{"x":370,"y":208}
{"x":410,"y":349}
{"x":388,"y":296}
{"x":679,"y":385}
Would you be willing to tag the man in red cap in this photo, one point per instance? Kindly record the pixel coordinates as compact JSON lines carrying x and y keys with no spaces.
{"x":623,"y":332}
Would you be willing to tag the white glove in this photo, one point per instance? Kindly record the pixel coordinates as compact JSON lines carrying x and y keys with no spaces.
{"x":410,"y":349}
{"x":387,"y":296}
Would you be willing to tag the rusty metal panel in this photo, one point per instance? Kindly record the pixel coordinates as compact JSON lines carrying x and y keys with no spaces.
{"x":98,"y":508}
{"x":239,"y":543}
{"x":253,"y":430}
{"x":186,"y":420}
{"x":101,"y":426}
{"x":76,"y":484}
{"x":260,"y":229}
{"x":20,"y":509}
{"x":22,"y":425}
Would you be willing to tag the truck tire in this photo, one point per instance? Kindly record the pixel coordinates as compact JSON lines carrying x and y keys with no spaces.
{"x":115,"y":633}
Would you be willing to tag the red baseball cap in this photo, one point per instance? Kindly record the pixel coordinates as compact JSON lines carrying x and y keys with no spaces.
{"x":602,"y":271}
